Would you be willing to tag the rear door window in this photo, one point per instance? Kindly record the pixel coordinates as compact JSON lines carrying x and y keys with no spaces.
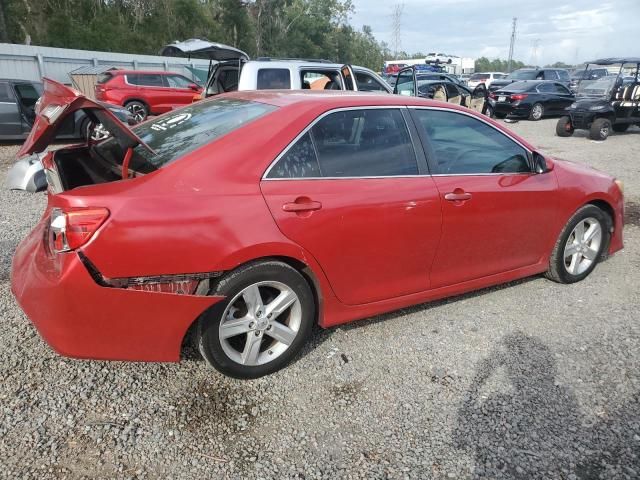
{"x":150,"y":80}
{"x":353,"y":143}
{"x":274,"y":79}
{"x":563,"y":75}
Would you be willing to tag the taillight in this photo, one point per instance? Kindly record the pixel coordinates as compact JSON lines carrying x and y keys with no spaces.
{"x":518,"y":96}
{"x":71,"y":228}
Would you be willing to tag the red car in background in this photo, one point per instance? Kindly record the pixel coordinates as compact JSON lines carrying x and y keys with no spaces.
{"x":146,"y":93}
{"x":251,"y":216}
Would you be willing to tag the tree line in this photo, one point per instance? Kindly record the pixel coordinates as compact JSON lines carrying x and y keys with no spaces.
{"x":282,"y":28}
{"x":276,"y":28}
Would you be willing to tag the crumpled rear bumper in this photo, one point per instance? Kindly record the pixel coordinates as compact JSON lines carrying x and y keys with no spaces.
{"x":78,"y":318}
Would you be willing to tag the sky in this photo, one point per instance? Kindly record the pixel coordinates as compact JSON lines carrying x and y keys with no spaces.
{"x":570,"y":31}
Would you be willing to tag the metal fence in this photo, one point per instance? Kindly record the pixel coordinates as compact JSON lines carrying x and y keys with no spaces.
{"x":28,"y":62}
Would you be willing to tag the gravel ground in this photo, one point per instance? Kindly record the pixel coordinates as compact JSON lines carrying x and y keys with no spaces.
{"x":528,"y":380}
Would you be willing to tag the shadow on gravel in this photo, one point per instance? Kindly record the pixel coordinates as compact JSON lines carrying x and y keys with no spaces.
{"x":533,"y":427}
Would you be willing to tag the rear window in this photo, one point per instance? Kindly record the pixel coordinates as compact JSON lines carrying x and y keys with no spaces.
{"x":274,"y":79}
{"x":104,"y":78}
{"x":518,"y":87}
{"x":523,"y":75}
{"x":177,"y":134}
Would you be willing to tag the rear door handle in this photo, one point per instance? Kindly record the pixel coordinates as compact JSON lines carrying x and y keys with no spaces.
{"x":457,"y":196}
{"x":302,"y":204}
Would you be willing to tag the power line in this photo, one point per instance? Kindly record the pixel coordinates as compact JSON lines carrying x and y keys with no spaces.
{"x":513,"y":41}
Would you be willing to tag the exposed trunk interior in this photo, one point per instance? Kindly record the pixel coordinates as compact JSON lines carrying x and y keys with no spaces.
{"x":76,"y":167}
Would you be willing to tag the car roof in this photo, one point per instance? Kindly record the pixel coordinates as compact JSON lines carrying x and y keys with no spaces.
{"x":297,"y":62}
{"x":152,"y":72}
{"x":330,"y":99}
{"x":18,"y":80}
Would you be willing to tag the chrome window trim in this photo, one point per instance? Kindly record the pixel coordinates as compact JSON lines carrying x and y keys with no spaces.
{"x":126,"y":81}
{"x":329,"y":112}
{"x":399,"y":107}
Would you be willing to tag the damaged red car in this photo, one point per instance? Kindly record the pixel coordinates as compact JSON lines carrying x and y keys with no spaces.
{"x":252,"y":216}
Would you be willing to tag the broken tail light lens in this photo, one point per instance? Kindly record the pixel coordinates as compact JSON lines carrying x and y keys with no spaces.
{"x":71,"y":228}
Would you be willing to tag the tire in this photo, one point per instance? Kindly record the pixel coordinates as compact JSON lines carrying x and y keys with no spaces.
{"x":245,"y":352}
{"x":600,"y":129}
{"x":620,"y":127}
{"x":138,"y":109}
{"x":537,"y":112}
{"x":564,"y":128}
{"x":568,"y":267}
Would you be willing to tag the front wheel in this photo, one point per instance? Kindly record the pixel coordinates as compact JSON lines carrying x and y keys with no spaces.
{"x":263,"y":322}
{"x":580,"y":245}
{"x":564,"y":127}
{"x":600,"y":129}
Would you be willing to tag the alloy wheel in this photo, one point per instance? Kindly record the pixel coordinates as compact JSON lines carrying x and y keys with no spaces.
{"x":260,"y":323}
{"x":583,"y":246}
{"x":138,"y":111}
{"x":99,"y":133}
{"x":537,"y":111}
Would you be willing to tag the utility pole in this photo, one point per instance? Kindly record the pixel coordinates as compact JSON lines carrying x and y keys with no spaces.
{"x":513,"y":41}
{"x":396,"y":28}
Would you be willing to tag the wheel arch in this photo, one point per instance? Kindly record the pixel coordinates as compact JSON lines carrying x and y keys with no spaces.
{"x":189,"y":336}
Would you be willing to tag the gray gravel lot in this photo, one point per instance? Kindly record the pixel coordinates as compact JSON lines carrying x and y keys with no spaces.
{"x":528,"y":380}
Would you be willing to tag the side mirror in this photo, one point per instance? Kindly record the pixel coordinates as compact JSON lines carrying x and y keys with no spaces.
{"x":28,"y":175}
{"x":541,"y":164}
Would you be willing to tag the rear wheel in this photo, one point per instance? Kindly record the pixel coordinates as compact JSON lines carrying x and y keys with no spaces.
{"x":537,"y":111}
{"x":564,"y":127}
{"x":620,"y":127}
{"x":138,"y":109}
{"x":600,"y":129}
{"x":580,"y":245}
{"x":263,"y":322}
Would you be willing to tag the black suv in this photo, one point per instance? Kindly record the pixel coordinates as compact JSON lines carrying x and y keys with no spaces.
{"x":608,"y":103}
{"x":557,"y":74}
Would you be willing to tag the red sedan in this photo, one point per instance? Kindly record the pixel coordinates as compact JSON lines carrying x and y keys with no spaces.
{"x":254,"y":215}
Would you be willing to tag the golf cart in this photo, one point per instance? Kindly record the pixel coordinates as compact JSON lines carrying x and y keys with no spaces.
{"x":604,"y":104}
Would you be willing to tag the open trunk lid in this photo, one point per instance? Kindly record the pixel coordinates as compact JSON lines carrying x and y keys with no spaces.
{"x":57,"y":103}
{"x":197,"y":48}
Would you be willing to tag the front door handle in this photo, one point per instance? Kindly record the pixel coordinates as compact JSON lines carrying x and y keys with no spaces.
{"x":458,"y":196}
{"x":302,"y":204}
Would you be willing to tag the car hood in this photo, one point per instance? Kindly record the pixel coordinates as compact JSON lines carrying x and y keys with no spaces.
{"x":575,"y":168}
{"x":56,"y":104}
{"x":197,"y":48}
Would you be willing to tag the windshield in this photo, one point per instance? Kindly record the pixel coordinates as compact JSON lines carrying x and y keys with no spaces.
{"x":175,"y":134}
{"x":523,"y":75}
{"x":601,"y":87}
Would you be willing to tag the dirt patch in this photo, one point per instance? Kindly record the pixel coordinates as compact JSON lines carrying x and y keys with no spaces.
{"x":632,"y":214}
